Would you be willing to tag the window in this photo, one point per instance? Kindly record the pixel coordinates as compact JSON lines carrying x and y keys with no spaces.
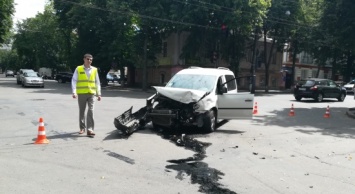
{"x":307,"y":58}
{"x":304,"y":74}
{"x":274,"y":58}
{"x":262,"y":81}
{"x":314,"y":73}
{"x":273,"y":82}
{"x":165,"y":49}
{"x":332,"y":84}
{"x":193,"y":81}
{"x":232,"y":84}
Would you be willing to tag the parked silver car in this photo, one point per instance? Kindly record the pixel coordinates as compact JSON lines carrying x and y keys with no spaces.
{"x":10,"y":73}
{"x":349,"y":86}
{"x":32,"y":79}
{"x":19,"y":75}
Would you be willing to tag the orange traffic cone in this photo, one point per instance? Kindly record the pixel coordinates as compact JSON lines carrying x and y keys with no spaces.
{"x":292,"y":112}
{"x":327,"y":113}
{"x":41,"y":138}
{"x":255,"y":111}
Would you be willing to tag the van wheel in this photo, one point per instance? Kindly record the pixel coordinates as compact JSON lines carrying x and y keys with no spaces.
{"x":210,"y":121}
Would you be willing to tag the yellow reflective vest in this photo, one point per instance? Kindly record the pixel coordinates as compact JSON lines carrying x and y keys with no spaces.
{"x":85,"y":85}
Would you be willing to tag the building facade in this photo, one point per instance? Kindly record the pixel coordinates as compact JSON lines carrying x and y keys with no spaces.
{"x":305,"y":67}
{"x":169,"y":63}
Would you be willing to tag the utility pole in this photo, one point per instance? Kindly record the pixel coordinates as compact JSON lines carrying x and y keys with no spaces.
{"x":252,"y":69}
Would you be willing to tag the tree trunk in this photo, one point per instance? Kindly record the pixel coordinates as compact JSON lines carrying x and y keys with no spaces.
{"x":267,"y":61}
{"x":253,"y":63}
{"x":294,"y":55}
{"x":349,"y":63}
{"x":144,"y":76}
{"x":334,"y":65}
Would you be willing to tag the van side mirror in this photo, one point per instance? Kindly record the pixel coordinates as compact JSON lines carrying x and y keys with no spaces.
{"x":223,"y":90}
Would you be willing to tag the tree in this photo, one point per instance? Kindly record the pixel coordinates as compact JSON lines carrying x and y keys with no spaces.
{"x":9,"y":60}
{"x":38,"y":41}
{"x":223,"y":27}
{"x":6,"y":10}
{"x":337,"y":35}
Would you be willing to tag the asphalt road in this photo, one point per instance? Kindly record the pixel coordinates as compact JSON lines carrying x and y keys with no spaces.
{"x":272,"y":153}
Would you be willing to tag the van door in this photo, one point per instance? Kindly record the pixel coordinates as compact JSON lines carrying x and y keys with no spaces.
{"x":235,"y":105}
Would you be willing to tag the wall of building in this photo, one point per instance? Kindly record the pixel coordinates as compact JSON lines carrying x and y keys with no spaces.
{"x":169,"y":64}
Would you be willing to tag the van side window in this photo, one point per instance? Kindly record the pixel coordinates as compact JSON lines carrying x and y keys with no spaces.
{"x":219,"y":85}
{"x":232,"y":84}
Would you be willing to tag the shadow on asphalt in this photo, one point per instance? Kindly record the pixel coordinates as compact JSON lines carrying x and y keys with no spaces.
{"x":337,"y":126}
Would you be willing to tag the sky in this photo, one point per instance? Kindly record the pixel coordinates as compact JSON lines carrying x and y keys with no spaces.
{"x":27,"y":8}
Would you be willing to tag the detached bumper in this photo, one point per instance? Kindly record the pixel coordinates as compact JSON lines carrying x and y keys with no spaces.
{"x":129,"y":122}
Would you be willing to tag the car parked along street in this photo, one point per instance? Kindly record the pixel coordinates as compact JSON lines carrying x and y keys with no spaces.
{"x":349,"y":86}
{"x":63,"y":77}
{"x":10,"y":73}
{"x":318,"y":89}
{"x":32,"y":79}
{"x":19,"y":75}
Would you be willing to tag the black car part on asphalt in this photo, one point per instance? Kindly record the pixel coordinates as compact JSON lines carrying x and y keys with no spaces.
{"x":129,"y":122}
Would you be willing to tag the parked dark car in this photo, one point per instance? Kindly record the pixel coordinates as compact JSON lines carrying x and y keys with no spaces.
{"x":318,"y":89}
{"x":10,"y":73}
{"x":63,"y":77}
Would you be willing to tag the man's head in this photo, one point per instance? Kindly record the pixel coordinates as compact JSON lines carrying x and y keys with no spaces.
{"x":88,"y":59}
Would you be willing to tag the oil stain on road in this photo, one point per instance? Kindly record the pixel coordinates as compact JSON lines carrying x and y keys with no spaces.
{"x":199,"y":171}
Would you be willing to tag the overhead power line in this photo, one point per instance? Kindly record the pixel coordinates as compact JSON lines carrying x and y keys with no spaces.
{"x":127,"y":12}
{"x":140,"y":15}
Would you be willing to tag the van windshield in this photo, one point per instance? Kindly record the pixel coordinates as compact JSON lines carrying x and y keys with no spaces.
{"x":193,"y":81}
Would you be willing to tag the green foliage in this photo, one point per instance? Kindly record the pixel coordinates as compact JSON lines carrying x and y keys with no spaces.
{"x":6,"y":10}
{"x":9,"y":60}
{"x":130,"y":33}
{"x":38,"y":41}
{"x":334,"y":38}
{"x":222,"y":26}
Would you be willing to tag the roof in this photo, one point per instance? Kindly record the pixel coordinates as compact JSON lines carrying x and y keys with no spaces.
{"x":206,"y":71}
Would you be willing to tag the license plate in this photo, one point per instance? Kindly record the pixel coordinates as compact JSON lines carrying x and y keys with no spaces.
{"x":302,"y":89}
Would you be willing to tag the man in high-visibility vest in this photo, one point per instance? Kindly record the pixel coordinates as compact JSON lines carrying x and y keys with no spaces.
{"x":85,"y":86}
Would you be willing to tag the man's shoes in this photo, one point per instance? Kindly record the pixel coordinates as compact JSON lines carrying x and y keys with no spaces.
{"x":82,"y":131}
{"x":91,"y":133}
